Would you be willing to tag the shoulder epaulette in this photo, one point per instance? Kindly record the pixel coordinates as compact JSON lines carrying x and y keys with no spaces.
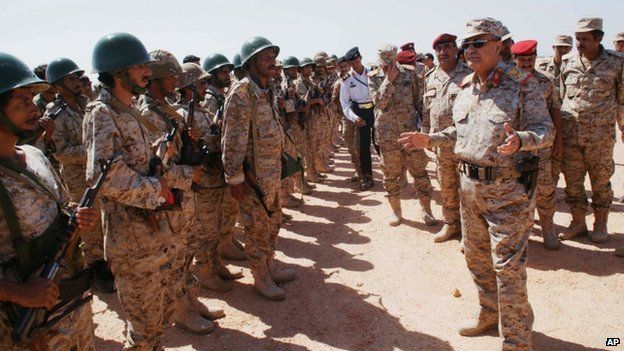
{"x":518,"y":75}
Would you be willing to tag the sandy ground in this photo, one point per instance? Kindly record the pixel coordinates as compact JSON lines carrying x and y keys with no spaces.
{"x":365,"y":286}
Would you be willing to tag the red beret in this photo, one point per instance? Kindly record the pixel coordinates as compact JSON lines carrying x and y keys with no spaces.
{"x":443,"y":39}
{"x":408,"y":46}
{"x":406,"y":57}
{"x":524,"y":48}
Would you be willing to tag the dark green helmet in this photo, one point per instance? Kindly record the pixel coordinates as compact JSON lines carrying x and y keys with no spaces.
{"x":291,"y":61}
{"x":118,"y":50}
{"x":60,"y":68}
{"x":237,"y":61}
{"x":216,"y":61}
{"x":15,"y":74}
{"x":306,"y":61}
{"x":254,"y":46}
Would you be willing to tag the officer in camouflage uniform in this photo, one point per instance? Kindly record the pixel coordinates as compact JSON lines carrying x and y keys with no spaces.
{"x":592,"y":89}
{"x":441,"y":89}
{"x":499,"y":117}
{"x":220,"y":70}
{"x":252,"y":145}
{"x":394,"y":89}
{"x":524,"y":55}
{"x":32,"y":199}
{"x":139,"y":243}
{"x":552,"y":65}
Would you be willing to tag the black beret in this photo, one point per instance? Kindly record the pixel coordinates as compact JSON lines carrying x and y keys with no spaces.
{"x":352,"y":54}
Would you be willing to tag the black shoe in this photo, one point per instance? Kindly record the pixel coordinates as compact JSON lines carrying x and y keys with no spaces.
{"x":103,"y":280}
{"x":367,"y":183}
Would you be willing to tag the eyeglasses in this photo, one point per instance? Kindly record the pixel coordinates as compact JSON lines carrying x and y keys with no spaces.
{"x":478,"y":44}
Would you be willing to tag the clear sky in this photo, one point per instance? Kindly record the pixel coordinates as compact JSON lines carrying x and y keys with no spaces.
{"x":39,"y":31}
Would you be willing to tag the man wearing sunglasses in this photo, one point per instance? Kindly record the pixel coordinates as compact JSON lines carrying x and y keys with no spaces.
{"x":500,"y":116}
{"x":442,"y":85}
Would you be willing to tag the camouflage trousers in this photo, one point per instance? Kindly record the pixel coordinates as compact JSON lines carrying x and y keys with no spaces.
{"x":545,"y":191}
{"x":313,"y":132}
{"x":579,"y":160}
{"x":300,"y":138}
{"x":392,"y":159}
{"x":260,"y":230}
{"x":349,"y":129}
{"x":448,"y":177}
{"x":92,"y":242}
{"x":230,"y":210}
{"x":555,"y":166}
{"x":139,"y":249}
{"x":497,"y":219}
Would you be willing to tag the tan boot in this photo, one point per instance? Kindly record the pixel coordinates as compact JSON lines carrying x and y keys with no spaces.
{"x":192,"y":322}
{"x":577,"y":226}
{"x":427,"y":216}
{"x":551,"y":241}
{"x":397,"y":217}
{"x":224,"y":273}
{"x":448,"y":231}
{"x":231,"y":249}
{"x":479,"y":325}
{"x":265,"y":285}
{"x":355,"y":177}
{"x":313,"y":178}
{"x":600,"y":234}
{"x":278,"y":275}
{"x":290,"y":202}
{"x":209,"y":279}
{"x":202,"y":307}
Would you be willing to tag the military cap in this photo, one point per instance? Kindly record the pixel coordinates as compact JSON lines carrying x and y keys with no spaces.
{"x":588,"y":24}
{"x":320,"y":59}
{"x":352,"y":54}
{"x":191,"y":58}
{"x":506,"y":34}
{"x":333,"y":57}
{"x":619,"y":37}
{"x":386,"y":54}
{"x":563,"y":40}
{"x":342,"y":59}
{"x":443,"y":39}
{"x":486,"y":25}
{"x":407,"y":47}
{"x":406,"y":57}
{"x":420,"y":57}
{"x":524,"y":48}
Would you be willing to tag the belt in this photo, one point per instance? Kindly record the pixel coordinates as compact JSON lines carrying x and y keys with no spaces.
{"x":487,"y":172}
{"x":365,"y":105}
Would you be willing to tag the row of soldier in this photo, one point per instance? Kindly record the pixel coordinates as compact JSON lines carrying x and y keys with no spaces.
{"x":180,"y":181}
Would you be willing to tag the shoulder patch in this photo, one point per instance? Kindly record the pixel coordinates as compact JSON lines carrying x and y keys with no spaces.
{"x":467,"y":80}
{"x":518,"y":74}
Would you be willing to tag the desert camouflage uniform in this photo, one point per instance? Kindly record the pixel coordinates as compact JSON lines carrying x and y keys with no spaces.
{"x":36,"y":209}
{"x":138,"y":238}
{"x":323,"y":124}
{"x":396,"y":106}
{"x":549,"y":66}
{"x":253,"y":133}
{"x":497,"y":216}
{"x":306,"y":90}
{"x":441,"y":89}
{"x":593,"y":99}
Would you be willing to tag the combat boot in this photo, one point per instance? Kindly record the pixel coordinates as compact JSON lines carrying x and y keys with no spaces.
{"x":479,"y":325}
{"x":265,"y":285}
{"x":313,"y":178}
{"x":231,"y":249}
{"x":577,"y":226}
{"x":355,"y":177}
{"x":290,"y":201}
{"x":427,"y":216}
{"x":395,"y":205}
{"x":190,"y":321}
{"x":278,"y":275}
{"x":551,"y":242}
{"x":223,"y":272}
{"x":202,"y":308}
{"x":305,"y":188}
{"x":209,"y":279}
{"x":448,"y":231}
{"x":600,"y":234}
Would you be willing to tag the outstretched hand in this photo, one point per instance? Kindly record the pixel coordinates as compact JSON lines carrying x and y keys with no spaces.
{"x":414,"y":140}
{"x":512,"y":142}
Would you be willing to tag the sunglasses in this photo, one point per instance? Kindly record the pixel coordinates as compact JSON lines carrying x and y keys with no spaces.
{"x":478,"y":44}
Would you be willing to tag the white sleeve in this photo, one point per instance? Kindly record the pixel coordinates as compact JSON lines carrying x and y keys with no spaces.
{"x":345,"y":103}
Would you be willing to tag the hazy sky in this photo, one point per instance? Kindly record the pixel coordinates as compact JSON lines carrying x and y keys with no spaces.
{"x":39,"y":31}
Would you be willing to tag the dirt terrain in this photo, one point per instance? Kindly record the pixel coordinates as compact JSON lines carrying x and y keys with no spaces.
{"x":365,"y":286}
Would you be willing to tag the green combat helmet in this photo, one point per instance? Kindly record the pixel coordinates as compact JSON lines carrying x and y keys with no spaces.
{"x":15,"y":74}
{"x":237,"y":61}
{"x":164,"y":64}
{"x":306,"y":61}
{"x":291,"y":61}
{"x":216,"y":61}
{"x":254,"y":46}
{"x":61,"y":68}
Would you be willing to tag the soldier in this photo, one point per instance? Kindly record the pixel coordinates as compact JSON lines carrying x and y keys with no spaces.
{"x":45,"y":97}
{"x":429,"y":62}
{"x":323,"y":124}
{"x":31,"y":218}
{"x":191,"y":58}
{"x":86,"y":89}
{"x":138,"y":238}
{"x":239,"y":71}
{"x":348,"y":127}
{"x":593,"y":100}
{"x":357,"y":107}
{"x":182,"y":306}
{"x":499,"y":117}
{"x":219,"y":68}
{"x":252,"y":145}
{"x":524,"y":55}
{"x":618,"y":43}
{"x":552,"y":65}
{"x":394,"y":90}
{"x":441,"y":88}
{"x":507,"y":44}
{"x":68,"y":109}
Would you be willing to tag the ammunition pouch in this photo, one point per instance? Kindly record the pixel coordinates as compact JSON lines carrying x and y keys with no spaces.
{"x":528,"y":167}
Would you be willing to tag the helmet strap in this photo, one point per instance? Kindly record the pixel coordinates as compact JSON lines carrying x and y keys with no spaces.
{"x":135,"y":89}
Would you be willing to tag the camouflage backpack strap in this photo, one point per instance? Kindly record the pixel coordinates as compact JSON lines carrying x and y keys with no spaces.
{"x":142,"y":120}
